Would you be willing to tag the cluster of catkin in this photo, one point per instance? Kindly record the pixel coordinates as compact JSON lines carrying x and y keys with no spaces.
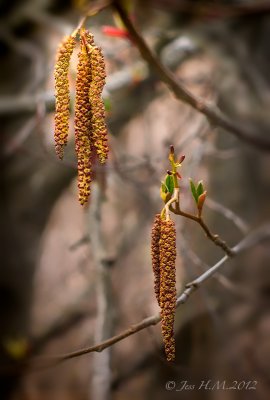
{"x":89,"y":126}
{"x":163,"y":251}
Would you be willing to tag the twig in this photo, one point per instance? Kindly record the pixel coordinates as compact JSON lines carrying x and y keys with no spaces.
{"x":249,"y":241}
{"x":213,"y":237}
{"x":214,"y":115}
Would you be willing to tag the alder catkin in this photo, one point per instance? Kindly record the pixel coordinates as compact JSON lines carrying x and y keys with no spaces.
{"x":167,"y":297}
{"x":99,"y":128}
{"x":83,"y":124}
{"x":155,"y":254}
{"x":89,"y":125}
{"x":62,"y":97}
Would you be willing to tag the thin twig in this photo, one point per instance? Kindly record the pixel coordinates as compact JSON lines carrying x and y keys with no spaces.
{"x":212,"y":112}
{"x":213,"y":237}
{"x":249,"y":241}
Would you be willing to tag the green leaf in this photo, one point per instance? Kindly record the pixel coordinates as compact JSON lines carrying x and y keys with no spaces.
{"x":169,"y":183}
{"x":164,"y":193}
{"x":200,"y":188}
{"x":193,"y":190}
{"x":164,"y":187}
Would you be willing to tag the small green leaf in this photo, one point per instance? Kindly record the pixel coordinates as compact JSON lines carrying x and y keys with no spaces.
{"x":164,"y":187}
{"x":193,"y":190}
{"x":169,"y":183}
{"x":164,"y":193}
{"x":200,"y":188}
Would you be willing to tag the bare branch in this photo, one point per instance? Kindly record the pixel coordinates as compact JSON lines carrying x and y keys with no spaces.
{"x":214,"y":115}
{"x":213,"y":237}
{"x":260,"y":235}
{"x":101,"y":379}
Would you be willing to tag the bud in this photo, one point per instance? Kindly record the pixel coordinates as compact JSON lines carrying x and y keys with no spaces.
{"x":62,"y":97}
{"x":181,"y":159}
{"x":201,"y":200}
{"x":155,"y":237}
{"x":167,"y":297}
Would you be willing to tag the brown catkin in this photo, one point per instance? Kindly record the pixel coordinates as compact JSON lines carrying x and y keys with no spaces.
{"x":83,"y":124}
{"x":155,"y":254}
{"x":167,"y":248}
{"x":99,"y":128}
{"x":62,"y":97}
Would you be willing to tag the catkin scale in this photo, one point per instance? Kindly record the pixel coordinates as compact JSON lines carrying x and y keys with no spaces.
{"x":62,"y":97}
{"x":83,"y":124}
{"x":155,"y":254}
{"x":167,"y":296}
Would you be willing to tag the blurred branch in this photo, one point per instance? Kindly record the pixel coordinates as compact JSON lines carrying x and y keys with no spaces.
{"x":101,"y":378}
{"x":257,"y":236}
{"x":212,"y":112}
{"x":83,"y":240}
{"x":129,"y":76}
{"x":234,"y":288}
{"x":67,"y":320}
{"x":229,"y":214}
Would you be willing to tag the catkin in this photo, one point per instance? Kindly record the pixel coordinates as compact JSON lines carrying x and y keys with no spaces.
{"x":167,"y":297}
{"x":90,"y":128}
{"x":155,"y":254}
{"x":83,"y":124}
{"x":62,"y":96}
{"x":99,"y":128}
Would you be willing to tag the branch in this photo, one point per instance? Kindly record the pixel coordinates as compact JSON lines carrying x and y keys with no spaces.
{"x":249,"y":241}
{"x":214,"y":115}
{"x":101,"y":379}
{"x":213,"y":237}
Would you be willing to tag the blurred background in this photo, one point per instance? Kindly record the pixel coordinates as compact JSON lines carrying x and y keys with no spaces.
{"x":71,"y":276}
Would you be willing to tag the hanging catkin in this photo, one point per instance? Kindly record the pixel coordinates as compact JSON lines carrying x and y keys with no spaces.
{"x":83,"y":124}
{"x":99,"y":128}
{"x":167,"y":297}
{"x":155,"y":238}
{"x":62,"y":97}
{"x":89,"y":125}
